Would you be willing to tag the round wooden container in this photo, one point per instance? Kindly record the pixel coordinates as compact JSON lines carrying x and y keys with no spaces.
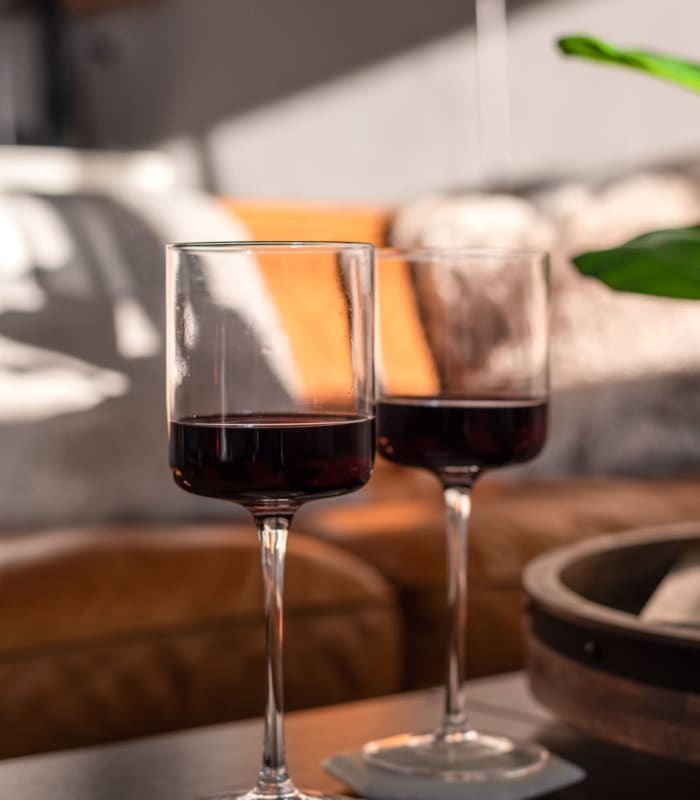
{"x":595,"y":663}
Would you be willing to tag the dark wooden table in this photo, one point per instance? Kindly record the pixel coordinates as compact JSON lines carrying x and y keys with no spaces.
{"x":197,"y":763}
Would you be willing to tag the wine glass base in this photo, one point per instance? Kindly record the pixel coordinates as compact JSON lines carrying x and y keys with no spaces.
{"x":294,"y":794}
{"x":456,"y":757}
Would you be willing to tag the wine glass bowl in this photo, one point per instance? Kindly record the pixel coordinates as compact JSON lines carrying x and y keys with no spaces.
{"x":270,"y":393}
{"x":463,"y":386}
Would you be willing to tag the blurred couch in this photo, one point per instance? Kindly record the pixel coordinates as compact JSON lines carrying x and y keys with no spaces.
{"x":132,"y":608}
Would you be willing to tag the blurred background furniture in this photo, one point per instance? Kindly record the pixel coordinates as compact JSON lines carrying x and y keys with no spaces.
{"x":121,"y":631}
{"x":132,"y":619}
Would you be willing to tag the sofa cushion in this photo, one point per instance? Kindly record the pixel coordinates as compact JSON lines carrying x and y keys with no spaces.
{"x":403,"y":537}
{"x":118,"y":632}
{"x":82,"y":362}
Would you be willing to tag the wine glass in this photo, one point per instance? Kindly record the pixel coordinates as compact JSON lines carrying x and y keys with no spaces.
{"x":270,"y":403}
{"x":462,"y":364}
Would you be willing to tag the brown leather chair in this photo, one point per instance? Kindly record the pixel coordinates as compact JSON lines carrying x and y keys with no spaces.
{"x":400,"y":531}
{"x":110,"y":633}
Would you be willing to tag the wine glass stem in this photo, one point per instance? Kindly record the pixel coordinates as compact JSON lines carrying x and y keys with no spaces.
{"x":274,"y":779}
{"x":458,"y":506}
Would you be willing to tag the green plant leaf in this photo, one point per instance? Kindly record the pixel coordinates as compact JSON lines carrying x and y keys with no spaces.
{"x":676,"y":70}
{"x":664,"y":263}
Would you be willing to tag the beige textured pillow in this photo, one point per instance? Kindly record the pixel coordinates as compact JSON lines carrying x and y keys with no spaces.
{"x":625,"y":368}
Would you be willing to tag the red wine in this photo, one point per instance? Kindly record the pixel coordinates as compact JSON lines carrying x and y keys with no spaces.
{"x":435,"y":433}
{"x":250,"y":458}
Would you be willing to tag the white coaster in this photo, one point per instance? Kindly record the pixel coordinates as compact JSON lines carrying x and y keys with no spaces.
{"x":375,"y":783}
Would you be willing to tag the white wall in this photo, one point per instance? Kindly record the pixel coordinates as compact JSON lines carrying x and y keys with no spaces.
{"x":407,"y":125}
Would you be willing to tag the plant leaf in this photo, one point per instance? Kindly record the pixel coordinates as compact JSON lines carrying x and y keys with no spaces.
{"x":676,"y":70}
{"x":664,"y":263}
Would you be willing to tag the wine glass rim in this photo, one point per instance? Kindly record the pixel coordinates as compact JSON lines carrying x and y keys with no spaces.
{"x":436,"y":253}
{"x":266,"y":246}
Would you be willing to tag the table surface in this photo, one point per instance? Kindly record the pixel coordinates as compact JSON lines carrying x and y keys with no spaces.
{"x":201,"y":762}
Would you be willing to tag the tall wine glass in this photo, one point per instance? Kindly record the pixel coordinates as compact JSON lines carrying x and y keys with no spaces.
{"x":463,"y":387}
{"x":270,"y":403}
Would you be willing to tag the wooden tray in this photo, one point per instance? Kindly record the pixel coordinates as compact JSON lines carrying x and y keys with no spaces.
{"x":595,"y":663}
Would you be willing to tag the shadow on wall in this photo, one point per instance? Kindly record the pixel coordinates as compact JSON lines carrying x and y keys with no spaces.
{"x":152,"y":71}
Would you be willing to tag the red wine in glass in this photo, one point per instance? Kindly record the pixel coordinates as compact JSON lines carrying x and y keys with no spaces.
{"x":437,"y":433}
{"x":250,"y":458}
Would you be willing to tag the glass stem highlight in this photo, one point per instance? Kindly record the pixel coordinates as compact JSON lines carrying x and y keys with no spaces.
{"x":273,"y":779}
{"x":458,"y":507}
